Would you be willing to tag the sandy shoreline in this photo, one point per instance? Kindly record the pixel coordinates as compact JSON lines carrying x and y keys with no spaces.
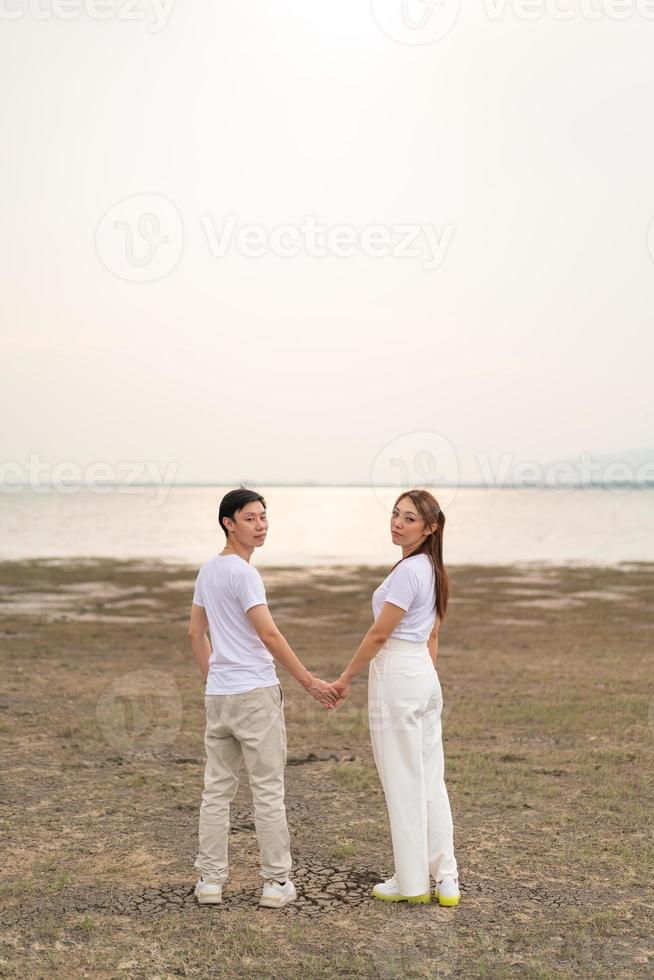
{"x":549,"y":740}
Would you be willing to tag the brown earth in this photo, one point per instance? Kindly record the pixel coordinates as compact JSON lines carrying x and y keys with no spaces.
{"x":549,"y":737}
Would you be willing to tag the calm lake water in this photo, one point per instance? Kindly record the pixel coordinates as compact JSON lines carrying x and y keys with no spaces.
{"x":330,"y":525}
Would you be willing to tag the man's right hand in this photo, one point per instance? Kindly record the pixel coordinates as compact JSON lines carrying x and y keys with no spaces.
{"x":326,"y":694}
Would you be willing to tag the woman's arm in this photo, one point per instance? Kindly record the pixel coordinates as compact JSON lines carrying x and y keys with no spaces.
{"x":388,"y":620}
{"x":432,"y":642}
{"x":280,"y":649}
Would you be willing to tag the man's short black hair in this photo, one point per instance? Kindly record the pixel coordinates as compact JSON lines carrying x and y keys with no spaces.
{"x":236,"y":500}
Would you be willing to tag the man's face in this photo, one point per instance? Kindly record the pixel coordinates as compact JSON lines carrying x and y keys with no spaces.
{"x":250,"y":525}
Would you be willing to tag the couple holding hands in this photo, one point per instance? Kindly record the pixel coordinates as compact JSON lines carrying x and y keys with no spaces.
{"x":245,"y":714}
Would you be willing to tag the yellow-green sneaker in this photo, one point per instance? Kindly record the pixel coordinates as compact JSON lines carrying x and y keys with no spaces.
{"x":447,"y":892}
{"x":387,"y":891}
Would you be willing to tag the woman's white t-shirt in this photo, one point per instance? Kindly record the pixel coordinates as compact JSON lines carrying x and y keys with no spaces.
{"x":411,"y":587}
{"x":227,"y":586}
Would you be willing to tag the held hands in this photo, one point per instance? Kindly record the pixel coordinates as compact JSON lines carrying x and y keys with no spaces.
{"x":326,"y":694}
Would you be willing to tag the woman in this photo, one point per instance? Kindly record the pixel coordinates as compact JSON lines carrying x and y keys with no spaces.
{"x":405,"y":704}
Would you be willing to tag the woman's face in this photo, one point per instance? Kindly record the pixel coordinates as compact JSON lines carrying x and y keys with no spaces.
{"x":407,"y":526}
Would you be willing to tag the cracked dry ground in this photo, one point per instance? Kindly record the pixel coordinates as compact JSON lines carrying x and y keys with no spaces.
{"x":549,"y":736}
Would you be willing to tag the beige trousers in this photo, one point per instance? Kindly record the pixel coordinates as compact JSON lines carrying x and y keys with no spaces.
{"x":247,"y":728}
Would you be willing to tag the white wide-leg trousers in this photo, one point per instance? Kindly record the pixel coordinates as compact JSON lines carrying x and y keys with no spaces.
{"x":404,"y":709}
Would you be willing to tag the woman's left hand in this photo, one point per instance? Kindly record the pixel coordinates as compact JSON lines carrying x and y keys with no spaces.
{"x":343,"y":688}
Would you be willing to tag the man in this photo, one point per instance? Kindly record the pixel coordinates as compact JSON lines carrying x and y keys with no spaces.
{"x":243,"y":702}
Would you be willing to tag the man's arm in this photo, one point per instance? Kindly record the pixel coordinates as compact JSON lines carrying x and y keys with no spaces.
{"x":197,"y":634}
{"x":278,"y":646}
{"x":432,"y":642}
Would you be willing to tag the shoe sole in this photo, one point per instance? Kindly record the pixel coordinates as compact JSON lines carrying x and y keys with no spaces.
{"x":448,"y":903}
{"x":209,"y":899}
{"x":276,"y":903}
{"x":411,"y":899}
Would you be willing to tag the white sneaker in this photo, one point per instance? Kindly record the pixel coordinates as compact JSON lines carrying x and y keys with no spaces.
{"x":387,"y":891}
{"x":447,"y":891}
{"x":208,"y":893}
{"x":276,"y":895}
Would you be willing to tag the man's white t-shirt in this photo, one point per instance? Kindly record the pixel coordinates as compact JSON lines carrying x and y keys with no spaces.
{"x":227,"y":586}
{"x":411,"y":587}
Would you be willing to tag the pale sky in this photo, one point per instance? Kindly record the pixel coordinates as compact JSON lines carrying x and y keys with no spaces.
{"x":524,"y":147}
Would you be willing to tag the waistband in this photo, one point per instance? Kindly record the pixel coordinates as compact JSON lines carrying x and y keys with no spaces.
{"x":406,"y":646}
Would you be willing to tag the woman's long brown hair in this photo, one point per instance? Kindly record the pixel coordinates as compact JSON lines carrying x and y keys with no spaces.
{"x":430,"y":511}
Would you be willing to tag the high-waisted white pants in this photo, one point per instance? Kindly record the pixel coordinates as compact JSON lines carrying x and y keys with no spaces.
{"x":404,"y":709}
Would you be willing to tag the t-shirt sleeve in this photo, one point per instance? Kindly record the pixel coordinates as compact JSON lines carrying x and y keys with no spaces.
{"x":249,"y":590}
{"x":198,"y":598}
{"x":403,"y":587}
